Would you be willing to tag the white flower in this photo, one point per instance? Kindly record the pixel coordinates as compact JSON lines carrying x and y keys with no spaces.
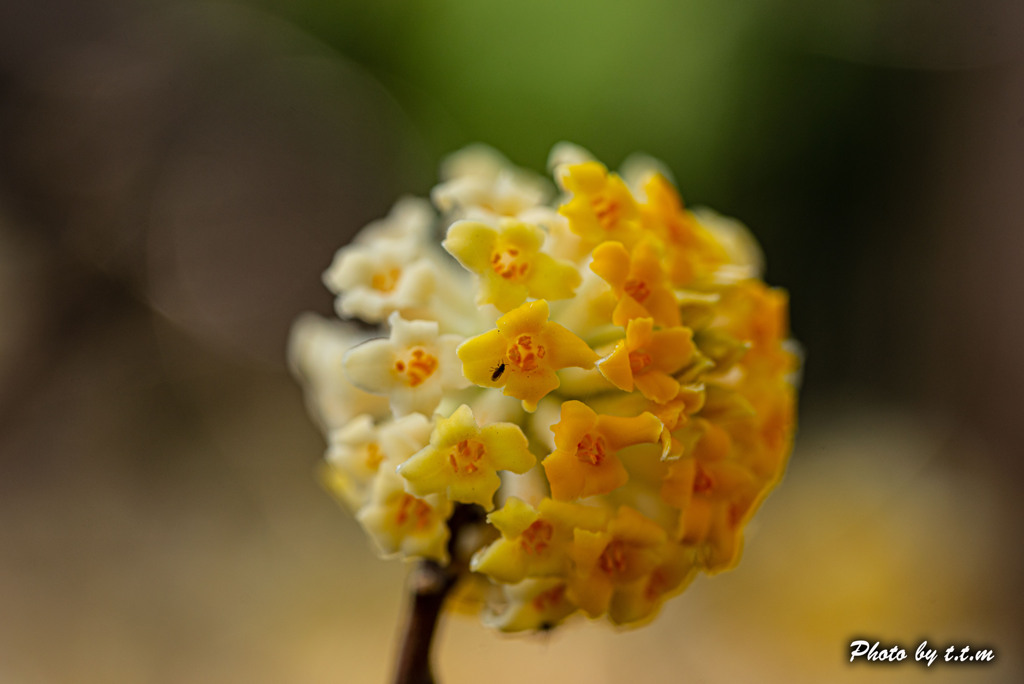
{"x":410,"y":220}
{"x":315,"y":350}
{"x":480,"y":184}
{"x":638,"y":168}
{"x":566,"y":154}
{"x":401,"y":438}
{"x":379,"y":277}
{"x":403,"y":524}
{"x":414,"y":367}
{"x":357,"y":452}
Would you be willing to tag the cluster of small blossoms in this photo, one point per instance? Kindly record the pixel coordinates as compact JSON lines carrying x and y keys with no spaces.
{"x":596,"y":371}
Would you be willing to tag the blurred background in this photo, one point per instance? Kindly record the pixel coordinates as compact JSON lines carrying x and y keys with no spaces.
{"x":174,"y":177}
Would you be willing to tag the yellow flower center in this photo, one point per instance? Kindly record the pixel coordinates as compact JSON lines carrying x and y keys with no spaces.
{"x":637,"y":289}
{"x":465,"y":456}
{"x":638,"y":360}
{"x":613,"y":559}
{"x":606,"y":210}
{"x":525,"y":354}
{"x":411,"y":509}
{"x":385,"y":281}
{"x":702,"y":484}
{"x":591,"y":450}
{"x":507,"y":264}
{"x":536,"y":537}
{"x":417,"y":367}
{"x":548,"y":599}
{"x":373,"y":456}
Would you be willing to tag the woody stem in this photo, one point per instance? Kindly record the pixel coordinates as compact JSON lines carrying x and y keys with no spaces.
{"x":429,"y":585}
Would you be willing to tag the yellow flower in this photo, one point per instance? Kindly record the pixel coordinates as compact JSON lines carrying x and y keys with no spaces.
{"x":639,"y":283}
{"x":635,"y":346}
{"x":353,"y":458}
{"x":714,"y":494}
{"x":676,"y":412}
{"x":509,"y":263}
{"x":584,"y":462}
{"x":462,"y":459}
{"x":770,"y":430}
{"x":403,"y":524}
{"x":758,"y":314}
{"x":522,"y":354}
{"x":693,"y":254}
{"x":640,"y":600}
{"x":535,"y":541}
{"x":533,"y":604}
{"x":610,"y":560}
{"x":601,"y":208}
{"x":647,"y":359}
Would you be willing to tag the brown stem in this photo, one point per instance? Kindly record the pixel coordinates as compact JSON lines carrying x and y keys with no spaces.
{"x":429,"y":585}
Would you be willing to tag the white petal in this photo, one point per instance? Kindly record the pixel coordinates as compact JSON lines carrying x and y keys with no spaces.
{"x":316,"y":347}
{"x":409,"y":220}
{"x":406,"y":334}
{"x":369,"y":366}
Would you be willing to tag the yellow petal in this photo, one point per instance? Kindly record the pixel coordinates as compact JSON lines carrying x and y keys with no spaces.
{"x":592,"y":594}
{"x":426,"y":471}
{"x":507,"y":448}
{"x":616,"y":367}
{"x":585,"y":178}
{"x":565,"y":349}
{"x":475,"y":488}
{"x":639,"y":332}
{"x":634,"y":526}
{"x":531,"y":386}
{"x":551,"y":279}
{"x":603,"y":478}
{"x":575,"y":420}
{"x":611,"y":262}
{"x":657,"y":386}
{"x":571,"y":478}
{"x":627,"y":309}
{"x":458,"y":426}
{"x":573,"y":516}
{"x":502,"y":560}
{"x":623,"y":432}
{"x":677,"y":487}
{"x":514,"y":517}
{"x":503,"y":294}
{"x":565,"y":476}
{"x":481,"y":356}
{"x":671,"y":349}
{"x":587,"y":547}
{"x":471,"y":243}
{"x":523,"y":236}
{"x":528,"y":318}
{"x":663,"y":307}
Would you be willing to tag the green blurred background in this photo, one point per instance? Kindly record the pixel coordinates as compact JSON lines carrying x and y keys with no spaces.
{"x":174,"y":177}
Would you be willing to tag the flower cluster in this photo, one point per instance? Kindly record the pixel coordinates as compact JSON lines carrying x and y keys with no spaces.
{"x":595,"y":370}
